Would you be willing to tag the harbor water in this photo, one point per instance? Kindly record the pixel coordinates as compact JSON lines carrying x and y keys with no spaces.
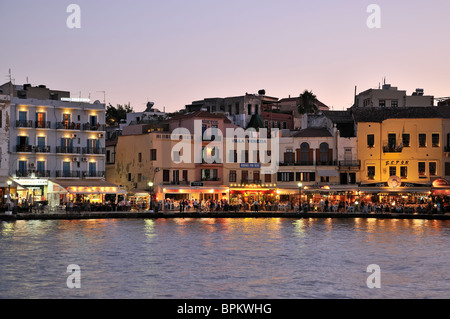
{"x":225,"y":258}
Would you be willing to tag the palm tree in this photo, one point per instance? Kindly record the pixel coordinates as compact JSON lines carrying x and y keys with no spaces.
{"x":306,"y":103}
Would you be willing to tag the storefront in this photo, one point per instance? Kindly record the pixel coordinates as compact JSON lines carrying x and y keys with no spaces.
{"x":31,"y":190}
{"x":246,"y":196}
{"x":200,"y":192}
{"x":94,"y":192}
{"x":139,"y":199}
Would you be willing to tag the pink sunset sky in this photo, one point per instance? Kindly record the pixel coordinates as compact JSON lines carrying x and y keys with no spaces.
{"x":173,"y":52}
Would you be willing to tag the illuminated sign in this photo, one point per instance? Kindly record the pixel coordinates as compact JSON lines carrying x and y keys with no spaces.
{"x":394,"y":181}
{"x":441,"y":183}
{"x":33,"y":182}
{"x":75,"y":99}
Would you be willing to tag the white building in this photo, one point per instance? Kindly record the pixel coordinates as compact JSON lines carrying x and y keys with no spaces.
{"x":54,"y":138}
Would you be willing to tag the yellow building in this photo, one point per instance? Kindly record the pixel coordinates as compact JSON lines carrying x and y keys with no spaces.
{"x":401,"y":150}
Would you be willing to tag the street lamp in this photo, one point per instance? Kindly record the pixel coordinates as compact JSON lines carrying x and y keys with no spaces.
{"x":8,"y":202}
{"x":300,"y":185}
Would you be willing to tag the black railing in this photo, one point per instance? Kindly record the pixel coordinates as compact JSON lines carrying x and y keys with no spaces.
{"x":94,"y":150}
{"x":68,"y":174}
{"x":42,"y":149}
{"x":88,"y":174}
{"x":326,"y":163}
{"x":392,"y":148}
{"x":24,"y":124}
{"x":42,"y":174}
{"x":301,"y":163}
{"x":94,"y":127}
{"x":42,"y":124}
{"x":23,"y":173}
{"x":67,"y":150}
{"x":68,"y":126}
{"x":350,"y":163}
{"x":24,"y":148}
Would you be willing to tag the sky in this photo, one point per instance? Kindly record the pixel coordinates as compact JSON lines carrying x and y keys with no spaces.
{"x":173,"y":52}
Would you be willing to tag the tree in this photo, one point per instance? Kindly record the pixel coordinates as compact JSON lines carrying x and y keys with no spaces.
{"x":115,"y":114}
{"x":307,"y":103}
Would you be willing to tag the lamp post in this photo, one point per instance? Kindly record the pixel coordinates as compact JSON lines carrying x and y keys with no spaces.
{"x":8,"y":201}
{"x":300,"y":185}
{"x":150,"y":185}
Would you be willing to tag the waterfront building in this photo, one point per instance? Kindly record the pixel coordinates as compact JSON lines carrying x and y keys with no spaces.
{"x":56,"y":146}
{"x":402,"y":150}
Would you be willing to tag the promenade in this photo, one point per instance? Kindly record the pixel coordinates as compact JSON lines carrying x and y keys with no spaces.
{"x":217,"y":214}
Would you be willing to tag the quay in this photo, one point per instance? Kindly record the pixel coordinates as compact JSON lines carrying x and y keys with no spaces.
{"x":219,"y":214}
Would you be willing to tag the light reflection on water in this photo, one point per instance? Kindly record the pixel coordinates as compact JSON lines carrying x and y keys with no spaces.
{"x":225,"y":258}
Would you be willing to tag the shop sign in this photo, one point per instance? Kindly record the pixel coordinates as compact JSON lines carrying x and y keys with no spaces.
{"x":32,"y":182}
{"x":251,"y":165}
{"x":197,"y":184}
{"x":397,"y":163}
{"x":441,"y":183}
{"x":394,"y":181}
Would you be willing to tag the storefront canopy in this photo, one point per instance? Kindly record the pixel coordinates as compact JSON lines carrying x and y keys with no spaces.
{"x":88,"y":186}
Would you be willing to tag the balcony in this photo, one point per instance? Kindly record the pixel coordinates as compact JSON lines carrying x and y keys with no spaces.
{"x":301,"y":163}
{"x":89,"y":174}
{"x":94,"y":150}
{"x":392,"y":148}
{"x":94,"y":127}
{"x":24,"y":148}
{"x":23,"y":173}
{"x":68,"y":174}
{"x":182,"y":183}
{"x":24,"y":124}
{"x":356,"y":164}
{"x":251,"y":181}
{"x":68,"y":126}
{"x":326,"y":163}
{"x":41,"y":149}
{"x":210,"y":179}
{"x":67,"y":150}
{"x":41,"y":174}
{"x":42,"y":124}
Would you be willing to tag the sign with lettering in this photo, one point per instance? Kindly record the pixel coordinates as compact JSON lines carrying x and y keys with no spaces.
{"x":250,"y":165}
{"x":197,"y":184}
{"x":397,"y":163}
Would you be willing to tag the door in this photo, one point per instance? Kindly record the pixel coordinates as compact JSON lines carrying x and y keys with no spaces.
{"x":348,"y":155}
{"x":92,"y":169}
{"x":66,"y":169}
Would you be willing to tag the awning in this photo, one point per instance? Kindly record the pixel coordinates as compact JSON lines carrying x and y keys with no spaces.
{"x":331,"y":173}
{"x":188,"y":189}
{"x":86,"y":187}
{"x":14,"y":184}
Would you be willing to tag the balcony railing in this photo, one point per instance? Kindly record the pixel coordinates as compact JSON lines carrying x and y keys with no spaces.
{"x":210,"y":179}
{"x":349,"y":163}
{"x":94,"y":150}
{"x":43,"y":174}
{"x":24,"y":148}
{"x":67,"y":150}
{"x":23,"y":173}
{"x":42,"y":149}
{"x":42,"y":124}
{"x":392,"y":148}
{"x":184,"y":183}
{"x":68,"y":174}
{"x":68,"y":126}
{"x":94,"y":127}
{"x":251,"y":181}
{"x":24,"y":124}
{"x":326,"y":163}
{"x":89,"y":174}
{"x":301,"y":163}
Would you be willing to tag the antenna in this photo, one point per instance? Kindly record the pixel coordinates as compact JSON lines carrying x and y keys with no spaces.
{"x":104,"y":96}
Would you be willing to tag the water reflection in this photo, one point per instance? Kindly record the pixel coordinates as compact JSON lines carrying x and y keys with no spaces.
{"x":225,"y":258}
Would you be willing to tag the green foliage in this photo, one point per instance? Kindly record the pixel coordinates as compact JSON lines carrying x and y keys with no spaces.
{"x":115,"y":114}
{"x":307,"y":103}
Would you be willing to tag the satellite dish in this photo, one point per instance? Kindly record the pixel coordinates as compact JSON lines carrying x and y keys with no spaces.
{"x":97,"y":102}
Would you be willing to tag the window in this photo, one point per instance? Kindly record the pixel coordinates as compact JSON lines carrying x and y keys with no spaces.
{"x":166,"y":175}
{"x":392,"y":141}
{"x":447,"y":169}
{"x":432,"y":168}
{"x":289,"y":156}
{"x":285,"y":177}
{"x":140,"y":157}
{"x":307,"y":177}
{"x":324,"y":152}
{"x":268,"y":178}
{"x":404,"y":172}
{"x":421,"y":169}
{"x":129,"y":177}
{"x":370,"y":140}
{"x":153,"y":155}
{"x":435,"y":140}
{"x":304,"y":153}
{"x":139,"y":177}
{"x":392,"y":171}
{"x":371,"y":172}
{"x":176,"y":176}
{"x":406,"y":140}
{"x":382,"y":103}
{"x":209,"y":175}
{"x":394,"y":103}
{"x":232,"y":176}
{"x":249,"y":109}
{"x":422,"y":140}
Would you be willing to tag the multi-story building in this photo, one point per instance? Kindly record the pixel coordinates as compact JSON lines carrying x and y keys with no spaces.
{"x":401,"y":150}
{"x":55,"y":139}
{"x":390,"y":96}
